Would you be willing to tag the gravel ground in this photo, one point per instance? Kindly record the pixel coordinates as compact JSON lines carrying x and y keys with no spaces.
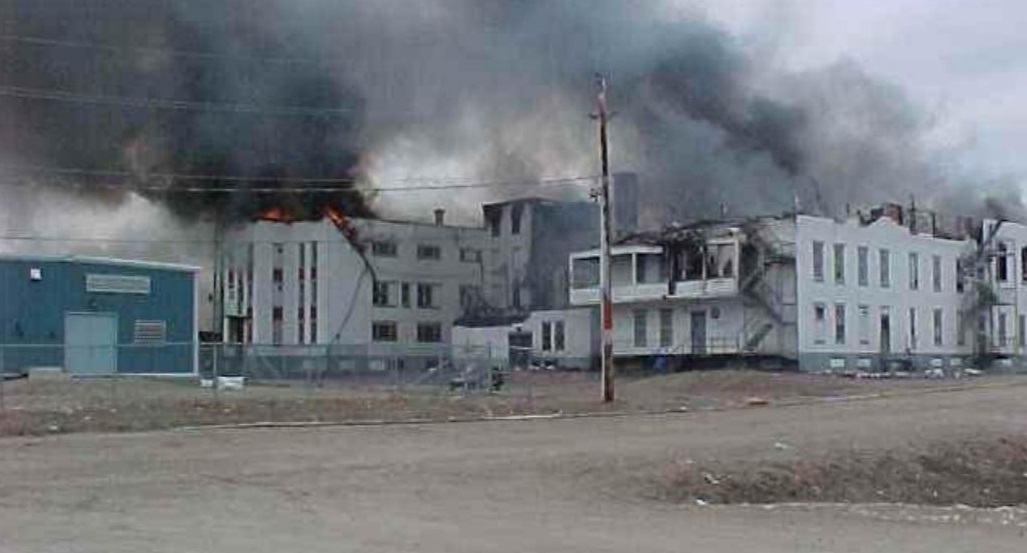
{"x":137,"y":404}
{"x":544,"y":485}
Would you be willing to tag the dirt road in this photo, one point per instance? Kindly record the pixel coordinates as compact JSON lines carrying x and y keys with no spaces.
{"x":554,"y":486}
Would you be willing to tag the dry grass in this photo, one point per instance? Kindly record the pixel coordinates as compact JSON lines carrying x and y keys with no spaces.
{"x":979,"y":473}
{"x":132,"y":404}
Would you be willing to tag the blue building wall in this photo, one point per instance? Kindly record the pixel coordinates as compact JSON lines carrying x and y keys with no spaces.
{"x":32,"y":313}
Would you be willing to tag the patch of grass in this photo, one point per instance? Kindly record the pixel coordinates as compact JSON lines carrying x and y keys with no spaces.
{"x":979,"y":473}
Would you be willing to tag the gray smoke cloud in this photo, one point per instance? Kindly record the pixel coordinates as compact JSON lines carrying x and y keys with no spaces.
{"x":469,"y":90}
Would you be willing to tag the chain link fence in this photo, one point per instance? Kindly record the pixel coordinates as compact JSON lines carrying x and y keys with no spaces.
{"x":137,"y":386}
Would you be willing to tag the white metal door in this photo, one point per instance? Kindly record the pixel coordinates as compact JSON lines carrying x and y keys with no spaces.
{"x":90,"y":343}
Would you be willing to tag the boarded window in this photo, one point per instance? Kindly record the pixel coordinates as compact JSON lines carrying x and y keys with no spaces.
{"x":150,"y":332}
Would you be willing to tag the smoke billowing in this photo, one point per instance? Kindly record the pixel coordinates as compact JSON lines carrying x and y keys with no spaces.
{"x":496,"y":90}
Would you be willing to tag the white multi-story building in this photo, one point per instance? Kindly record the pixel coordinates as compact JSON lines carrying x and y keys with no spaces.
{"x":877,"y":290}
{"x":350,"y":281}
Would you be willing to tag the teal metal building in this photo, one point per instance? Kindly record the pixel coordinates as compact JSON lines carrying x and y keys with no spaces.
{"x":97,"y":316}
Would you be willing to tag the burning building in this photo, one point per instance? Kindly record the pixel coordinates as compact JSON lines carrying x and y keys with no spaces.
{"x":891,"y":287}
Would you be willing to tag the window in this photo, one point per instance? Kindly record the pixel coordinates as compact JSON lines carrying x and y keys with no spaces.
{"x":429,"y":333}
{"x":1023,"y":264}
{"x":585,"y":272}
{"x":276,"y":324}
{"x":1021,"y":332}
{"x":818,"y":261}
{"x":864,"y":325}
{"x":914,"y":271}
{"x":885,"y":268}
{"x":384,"y":249}
{"x":516,"y":294}
{"x":383,"y":331}
{"x":404,"y":294}
{"x":640,"y":328}
{"x":961,"y":330}
{"x":937,"y":327}
{"x":839,"y":323}
{"x":960,"y":277}
{"x":912,"y":328}
{"x":469,"y":295}
{"x":427,"y":296}
{"x":839,"y":263}
{"x":494,"y":215}
{"x":547,"y":338}
{"x":427,"y":251}
{"x":470,"y":255}
{"x":558,"y":336}
{"x":640,"y":268}
{"x":936,"y":272}
{"x":666,"y":328}
{"x":1002,"y":263}
{"x":862,"y":266}
{"x":1002,"y":337}
{"x":150,"y":332}
{"x":384,"y":294}
{"x":515,"y":218}
{"x":820,"y":323}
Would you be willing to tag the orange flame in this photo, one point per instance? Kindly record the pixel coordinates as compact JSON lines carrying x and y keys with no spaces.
{"x":274,"y":214}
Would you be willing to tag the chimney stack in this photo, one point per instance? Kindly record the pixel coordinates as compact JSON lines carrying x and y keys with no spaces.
{"x":440,"y":217}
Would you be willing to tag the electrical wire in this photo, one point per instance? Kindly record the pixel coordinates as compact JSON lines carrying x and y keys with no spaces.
{"x":39,"y":41}
{"x":411,"y":187}
{"x":159,"y":103}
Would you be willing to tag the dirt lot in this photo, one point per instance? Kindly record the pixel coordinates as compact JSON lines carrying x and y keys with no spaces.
{"x":136,"y":404}
{"x":585,"y":484}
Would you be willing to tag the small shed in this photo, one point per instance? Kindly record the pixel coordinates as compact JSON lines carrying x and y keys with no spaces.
{"x":97,"y":316}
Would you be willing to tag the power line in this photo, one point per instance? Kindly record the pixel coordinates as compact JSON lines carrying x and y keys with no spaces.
{"x":158,"y":103}
{"x":412,"y":186}
{"x":39,"y":41}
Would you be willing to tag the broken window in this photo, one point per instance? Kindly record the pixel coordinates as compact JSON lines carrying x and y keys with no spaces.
{"x":914,"y":271}
{"x":820,"y":323}
{"x":1002,"y":263}
{"x":725,"y":260}
{"x":585,"y":272}
{"x":693,"y":263}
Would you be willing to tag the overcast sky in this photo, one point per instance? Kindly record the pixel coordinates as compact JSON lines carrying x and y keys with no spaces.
{"x":963,"y":60}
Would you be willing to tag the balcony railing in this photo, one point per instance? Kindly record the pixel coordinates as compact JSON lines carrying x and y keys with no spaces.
{"x":686,"y":289}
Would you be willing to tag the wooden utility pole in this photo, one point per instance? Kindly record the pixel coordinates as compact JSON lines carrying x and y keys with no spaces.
{"x":605,"y":260}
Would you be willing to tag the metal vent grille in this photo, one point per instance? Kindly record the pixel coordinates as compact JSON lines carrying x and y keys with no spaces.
{"x":151,"y":332}
{"x":117,"y":284}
